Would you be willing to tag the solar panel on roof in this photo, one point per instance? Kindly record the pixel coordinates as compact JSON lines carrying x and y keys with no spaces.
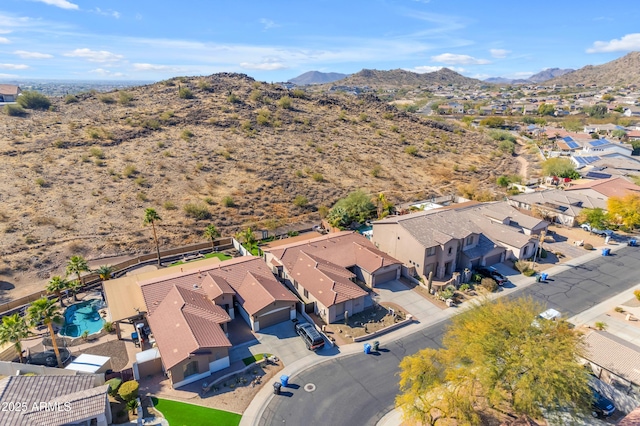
{"x":596,"y":175}
{"x":583,"y":161}
{"x":573,"y":144}
{"x":599,"y":142}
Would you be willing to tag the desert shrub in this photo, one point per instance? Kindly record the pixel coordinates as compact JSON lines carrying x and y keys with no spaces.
{"x":298,"y":93}
{"x":185,"y":93}
{"x":411,"y":150}
{"x":108,"y":327}
{"x":129,"y":390}
{"x":14,"y":110}
{"x":96,"y":152}
{"x":285,"y":102}
{"x":186,"y":134}
{"x":125,"y":98}
{"x":465,"y":287}
{"x":33,"y":100}
{"x":70,"y":99}
{"x":528,"y":272}
{"x":169,"y":205}
{"x":107,"y":99}
{"x":41,"y":182}
{"x":489,"y":284}
{"x":264,"y":117}
{"x":130,"y":171}
{"x":228,"y":201}
{"x":601,"y":325}
{"x":151,"y":124}
{"x":588,"y":246}
{"x":300,"y":201}
{"x":317,"y":177}
{"x":197,"y":211}
{"x":114,"y":385}
{"x":233,"y":98}
{"x":618,"y":309}
{"x":132,"y":405}
{"x":524,"y":267}
{"x":204,"y":85}
{"x":636,"y":293}
{"x":376,"y":170}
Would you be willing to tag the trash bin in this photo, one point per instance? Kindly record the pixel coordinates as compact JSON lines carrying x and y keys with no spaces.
{"x":632,"y":242}
{"x":606,"y":251}
{"x":276,"y":388}
{"x":544,"y":276}
{"x":376,"y":344}
{"x":284,"y":379}
{"x":367,"y":348}
{"x":538,"y":278}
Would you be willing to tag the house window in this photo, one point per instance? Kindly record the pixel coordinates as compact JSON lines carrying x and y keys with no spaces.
{"x":190,"y":369}
{"x":525,"y":251}
{"x":431,"y":251}
{"x":450,"y":248}
{"x":306,"y":293}
{"x":469,"y":240}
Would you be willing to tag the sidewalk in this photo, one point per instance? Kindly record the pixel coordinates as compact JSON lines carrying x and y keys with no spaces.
{"x":427,"y":317}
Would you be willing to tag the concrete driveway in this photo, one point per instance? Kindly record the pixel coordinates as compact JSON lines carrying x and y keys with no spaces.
{"x":414,"y":303}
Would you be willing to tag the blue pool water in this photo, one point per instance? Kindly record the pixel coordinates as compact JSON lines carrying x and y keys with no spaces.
{"x":82,"y":316}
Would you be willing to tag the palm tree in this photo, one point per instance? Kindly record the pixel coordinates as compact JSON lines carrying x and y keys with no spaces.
{"x":76,"y":265}
{"x":13,"y":329}
{"x":46,"y":311}
{"x":211,"y":233}
{"x":104,"y":272}
{"x":74,"y":287}
{"x":248,"y":238}
{"x":57,"y":285}
{"x":151,"y":217}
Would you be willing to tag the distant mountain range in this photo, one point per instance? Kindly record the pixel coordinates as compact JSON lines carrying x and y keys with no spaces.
{"x":401,"y":78}
{"x":623,"y":71}
{"x":317,"y":77}
{"x":543,"y":75}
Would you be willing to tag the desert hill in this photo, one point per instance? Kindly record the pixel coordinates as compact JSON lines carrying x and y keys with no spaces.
{"x":400,"y":78}
{"x":317,"y":77}
{"x":623,"y":71}
{"x":223,"y":149}
{"x":543,"y":75}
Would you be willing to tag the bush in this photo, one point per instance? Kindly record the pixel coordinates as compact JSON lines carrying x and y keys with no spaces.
{"x":14,"y":110}
{"x":528,"y":272}
{"x":620,"y":310}
{"x":489,"y":284}
{"x":233,"y":99}
{"x":129,"y":390}
{"x":465,"y":287}
{"x":125,"y":98}
{"x":114,"y":385}
{"x":108,"y":327}
{"x":300,"y":201}
{"x":33,"y":100}
{"x":411,"y":150}
{"x":228,"y":201}
{"x":186,"y":135}
{"x":130,"y":171}
{"x":285,"y":102}
{"x":107,"y":99}
{"x":196,"y":211}
{"x":185,"y":93}
{"x":70,"y":99}
{"x":588,"y":246}
{"x":636,"y":293}
{"x":317,"y":177}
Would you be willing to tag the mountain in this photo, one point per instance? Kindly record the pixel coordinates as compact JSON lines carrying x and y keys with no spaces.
{"x":623,"y":71}
{"x":401,"y":78}
{"x":223,"y":149}
{"x":317,"y":77}
{"x":548,"y":74}
{"x":543,"y":75}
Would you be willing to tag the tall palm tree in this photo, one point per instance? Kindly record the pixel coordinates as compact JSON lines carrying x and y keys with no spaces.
{"x":13,"y":329}
{"x":151,"y":217}
{"x":211,"y":233}
{"x":76,"y":265}
{"x":74,"y":287}
{"x":57,"y":285}
{"x":46,"y":311}
{"x":104,"y":272}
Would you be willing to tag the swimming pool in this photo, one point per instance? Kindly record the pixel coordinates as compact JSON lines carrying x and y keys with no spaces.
{"x":82,"y":316}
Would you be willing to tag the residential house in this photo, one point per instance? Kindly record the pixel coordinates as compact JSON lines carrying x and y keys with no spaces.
{"x":9,"y":92}
{"x":555,"y":205}
{"x":446,"y":240}
{"x":323,"y":271}
{"x":603,"y":189}
{"x":612,"y":359}
{"x":567,"y":144}
{"x":598,"y":146}
{"x":54,"y":400}
{"x":632,"y":111}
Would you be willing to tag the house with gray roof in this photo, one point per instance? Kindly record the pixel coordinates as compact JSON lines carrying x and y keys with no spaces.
{"x":447,"y":240}
{"x":555,"y":205}
{"x":54,"y":400}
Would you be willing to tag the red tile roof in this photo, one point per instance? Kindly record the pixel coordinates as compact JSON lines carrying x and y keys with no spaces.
{"x":9,"y":89}
{"x":614,"y":187}
{"x":257,"y":292}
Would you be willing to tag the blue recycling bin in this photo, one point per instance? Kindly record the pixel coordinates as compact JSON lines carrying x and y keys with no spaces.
{"x":284,"y":380}
{"x":606,"y":251}
{"x":633,"y":242}
{"x":367,"y":348}
{"x":544,"y":276}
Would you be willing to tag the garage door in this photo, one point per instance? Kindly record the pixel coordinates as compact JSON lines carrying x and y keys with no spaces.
{"x":273,"y":318}
{"x":383,"y":277}
{"x":492,"y":260}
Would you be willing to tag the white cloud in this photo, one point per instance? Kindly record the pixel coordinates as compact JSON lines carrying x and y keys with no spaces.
{"x":499,"y":53}
{"x":108,"y":12}
{"x":94,"y":55}
{"x":424,"y":68}
{"x":103,"y":72}
{"x":32,"y":55}
{"x":14,"y":66}
{"x":4,"y":40}
{"x":151,"y":67}
{"x":167,"y":69}
{"x":628,"y":42}
{"x":268,"y":24}
{"x":266,"y":65}
{"x":4,"y":31}
{"x":453,"y":59}
{"x":64,"y":4}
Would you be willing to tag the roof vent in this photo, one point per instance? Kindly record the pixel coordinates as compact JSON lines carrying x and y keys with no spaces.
{"x":196,"y":286}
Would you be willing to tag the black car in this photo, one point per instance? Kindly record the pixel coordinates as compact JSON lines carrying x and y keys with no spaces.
{"x":601,"y":405}
{"x":310,"y":335}
{"x":491,"y":272}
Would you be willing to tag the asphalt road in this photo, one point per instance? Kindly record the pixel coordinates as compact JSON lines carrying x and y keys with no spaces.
{"x":360,"y":389}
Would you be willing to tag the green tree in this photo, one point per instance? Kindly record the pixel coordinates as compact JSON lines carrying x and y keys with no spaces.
{"x":620,"y":134}
{"x":57,"y":285}
{"x":13,"y":329}
{"x":497,"y":354}
{"x":77,"y":265}
{"x":248,"y":238}
{"x":74,"y":288}
{"x":596,"y":218}
{"x":47,"y":312}
{"x":562,"y":167}
{"x":357,"y":205}
{"x":596,"y":111}
{"x":211,"y":233}
{"x":546,"y":109}
{"x":338,"y":217}
{"x":33,"y":100}
{"x":492,"y":122}
{"x":625,"y":210}
{"x":503,"y":181}
{"x":151,"y":217}
{"x":104,"y":272}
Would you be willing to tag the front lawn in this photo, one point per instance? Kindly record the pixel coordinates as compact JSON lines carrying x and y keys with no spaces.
{"x":181,"y":414}
{"x":220,"y":256}
{"x":251,"y":359}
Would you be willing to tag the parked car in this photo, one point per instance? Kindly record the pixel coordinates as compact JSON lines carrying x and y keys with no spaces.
{"x":601,"y":405}
{"x":601,"y":232}
{"x":312,"y":338}
{"x":492,"y":272}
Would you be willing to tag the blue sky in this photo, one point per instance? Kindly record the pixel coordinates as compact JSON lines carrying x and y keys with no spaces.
{"x":277,"y":40}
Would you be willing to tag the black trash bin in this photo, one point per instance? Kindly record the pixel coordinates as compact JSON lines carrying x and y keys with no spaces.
{"x":538,"y":278}
{"x":276,"y":388}
{"x":376,"y":344}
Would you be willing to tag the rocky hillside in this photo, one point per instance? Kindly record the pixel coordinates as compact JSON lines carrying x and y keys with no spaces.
{"x":222,"y":149}
{"x":620,"y":72}
{"x":400,"y":78}
{"x":548,"y":74}
{"x":317,"y":77}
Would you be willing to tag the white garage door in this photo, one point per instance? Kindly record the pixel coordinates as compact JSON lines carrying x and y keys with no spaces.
{"x":273,"y":318}
{"x":383,"y":277}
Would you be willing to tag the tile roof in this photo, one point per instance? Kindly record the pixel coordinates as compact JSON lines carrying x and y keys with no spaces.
{"x":184,"y":322}
{"x":257,"y":292}
{"x":610,"y":187}
{"x":570,"y":204}
{"x":613,"y":354}
{"x":8,"y":89}
{"x":78,"y":390}
{"x":631,"y":419}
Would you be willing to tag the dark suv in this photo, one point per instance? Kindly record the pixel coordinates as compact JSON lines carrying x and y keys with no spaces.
{"x":491,"y":272}
{"x":310,"y":335}
{"x":601,"y":405}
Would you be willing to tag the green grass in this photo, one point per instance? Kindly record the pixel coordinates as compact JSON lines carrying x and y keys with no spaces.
{"x":181,"y":414}
{"x":220,"y":256}
{"x":251,"y":359}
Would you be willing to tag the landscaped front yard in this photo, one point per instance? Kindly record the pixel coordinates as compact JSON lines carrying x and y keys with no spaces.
{"x":221,"y":256}
{"x":366,"y":322}
{"x":183,"y":414}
